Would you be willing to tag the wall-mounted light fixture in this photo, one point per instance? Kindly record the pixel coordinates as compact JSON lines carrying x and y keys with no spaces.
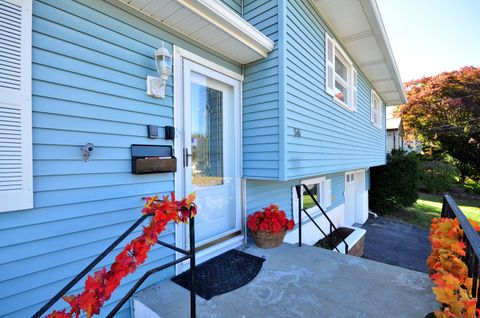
{"x":86,"y":151}
{"x":163,"y":62}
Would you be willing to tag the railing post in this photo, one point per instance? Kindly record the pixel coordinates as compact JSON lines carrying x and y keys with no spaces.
{"x":444,"y":208}
{"x":298,"y":188}
{"x":193,"y":304}
{"x":330,"y":236}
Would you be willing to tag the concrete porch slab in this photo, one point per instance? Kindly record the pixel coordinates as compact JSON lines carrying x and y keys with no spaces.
{"x":307,"y":282}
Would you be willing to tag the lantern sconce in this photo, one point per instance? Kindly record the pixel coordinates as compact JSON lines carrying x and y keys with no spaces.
{"x":163,"y":62}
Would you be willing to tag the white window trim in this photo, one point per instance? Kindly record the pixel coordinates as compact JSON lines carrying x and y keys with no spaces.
{"x":352,"y":74}
{"x":325,"y":202}
{"x":373,"y":108}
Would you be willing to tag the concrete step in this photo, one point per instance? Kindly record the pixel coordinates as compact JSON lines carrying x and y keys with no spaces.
{"x":303,"y":282}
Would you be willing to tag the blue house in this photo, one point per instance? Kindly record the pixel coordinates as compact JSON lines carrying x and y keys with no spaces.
{"x":263,"y":95}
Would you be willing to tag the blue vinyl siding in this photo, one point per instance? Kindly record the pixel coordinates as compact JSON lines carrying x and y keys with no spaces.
{"x":261,"y":124}
{"x":235,"y":5}
{"x":261,"y":193}
{"x":332,"y":138}
{"x":90,"y":60}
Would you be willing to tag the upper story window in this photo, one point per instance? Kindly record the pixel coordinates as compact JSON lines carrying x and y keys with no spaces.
{"x":376,"y":109}
{"x":341,"y":76}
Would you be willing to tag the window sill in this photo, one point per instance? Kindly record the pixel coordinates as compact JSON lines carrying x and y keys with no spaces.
{"x":343,"y":104}
{"x":377,"y":126}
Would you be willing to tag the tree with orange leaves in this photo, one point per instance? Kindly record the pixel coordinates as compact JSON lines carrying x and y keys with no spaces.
{"x":443,"y":111}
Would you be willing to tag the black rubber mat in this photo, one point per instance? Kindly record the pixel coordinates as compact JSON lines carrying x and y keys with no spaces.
{"x":222,"y":274}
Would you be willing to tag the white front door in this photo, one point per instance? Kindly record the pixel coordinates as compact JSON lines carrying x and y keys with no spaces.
{"x":211,"y":151}
{"x":350,"y":199}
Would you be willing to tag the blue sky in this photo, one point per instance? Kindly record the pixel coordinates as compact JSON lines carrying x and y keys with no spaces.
{"x":431,"y":36}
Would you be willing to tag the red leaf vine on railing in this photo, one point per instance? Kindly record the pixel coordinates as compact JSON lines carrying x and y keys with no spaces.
{"x":448,"y":271}
{"x":99,"y":287}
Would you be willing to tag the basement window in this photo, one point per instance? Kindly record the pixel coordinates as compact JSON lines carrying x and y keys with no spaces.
{"x":321,"y":189}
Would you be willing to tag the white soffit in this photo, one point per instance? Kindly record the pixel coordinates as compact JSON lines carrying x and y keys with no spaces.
{"x":210,"y":23}
{"x":358,"y":26}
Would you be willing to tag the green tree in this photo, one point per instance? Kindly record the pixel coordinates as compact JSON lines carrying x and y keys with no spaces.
{"x":443,"y":112}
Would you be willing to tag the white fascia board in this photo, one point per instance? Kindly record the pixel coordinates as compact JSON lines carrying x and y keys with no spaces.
{"x":253,"y":44}
{"x":378,"y":29}
{"x":218,"y":14}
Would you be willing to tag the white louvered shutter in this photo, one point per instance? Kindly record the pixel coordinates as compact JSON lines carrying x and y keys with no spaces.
{"x":15,"y":105}
{"x":354,"y":89}
{"x":329,"y":65}
{"x":328,"y":192}
{"x":372,"y":106}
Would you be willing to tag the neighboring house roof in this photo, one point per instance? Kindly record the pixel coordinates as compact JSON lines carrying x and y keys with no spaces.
{"x":393,"y":123}
{"x":210,"y":23}
{"x":359,"y":27}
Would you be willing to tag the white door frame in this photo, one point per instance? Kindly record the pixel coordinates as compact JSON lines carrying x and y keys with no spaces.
{"x":361,"y":196}
{"x":179,"y":55}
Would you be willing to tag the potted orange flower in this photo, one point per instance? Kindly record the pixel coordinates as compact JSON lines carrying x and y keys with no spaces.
{"x":269,"y":226}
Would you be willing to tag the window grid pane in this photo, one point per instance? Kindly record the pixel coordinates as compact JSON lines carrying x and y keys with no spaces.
{"x":307,"y":200}
{"x":341,"y":91}
{"x":341,"y":69}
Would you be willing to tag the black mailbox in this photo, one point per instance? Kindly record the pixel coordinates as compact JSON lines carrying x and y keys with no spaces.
{"x":153,"y":159}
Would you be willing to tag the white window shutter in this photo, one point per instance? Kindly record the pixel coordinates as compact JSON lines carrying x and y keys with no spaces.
{"x":372,"y":106}
{"x":380,"y":112}
{"x":328,"y":192}
{"x":321,"y":193}
{"x":354,"y":89}
{"x":295,"y":205}
{"x":329,"y":65}
{"x":16,"y":191}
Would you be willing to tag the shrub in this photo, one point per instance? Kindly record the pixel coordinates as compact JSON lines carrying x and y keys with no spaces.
{"x":394,"y":184}
{"x":472,"y":186}
{"x":437,"y":177}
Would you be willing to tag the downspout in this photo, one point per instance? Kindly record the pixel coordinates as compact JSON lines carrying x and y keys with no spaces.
{"x":244,"y":180}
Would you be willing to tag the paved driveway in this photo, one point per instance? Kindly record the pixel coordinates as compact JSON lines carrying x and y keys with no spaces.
{"x":397,"y":243}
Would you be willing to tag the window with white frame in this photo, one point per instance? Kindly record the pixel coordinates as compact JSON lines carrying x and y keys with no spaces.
{"x":376,"y":109}
{"x":341,"y":76}
{"x":321,"y":189}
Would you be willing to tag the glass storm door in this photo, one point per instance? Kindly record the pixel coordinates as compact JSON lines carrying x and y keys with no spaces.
{"x":211,"y":157}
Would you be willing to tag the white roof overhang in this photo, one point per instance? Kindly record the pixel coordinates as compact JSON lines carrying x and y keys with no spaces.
{"x":358,"y":26}
{"x":210,"y":23}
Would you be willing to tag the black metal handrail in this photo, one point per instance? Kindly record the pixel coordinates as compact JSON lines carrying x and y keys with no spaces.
{"x":471,"y":239}
{"x":332,"y":226}
{"x":189,"y":255}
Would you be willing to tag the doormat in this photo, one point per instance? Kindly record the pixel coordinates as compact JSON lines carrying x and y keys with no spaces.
{"x":222,"y":274}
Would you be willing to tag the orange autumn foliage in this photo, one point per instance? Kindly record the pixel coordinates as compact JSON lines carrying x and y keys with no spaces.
{"x":99,"y":287}
{"x":448,"y":272}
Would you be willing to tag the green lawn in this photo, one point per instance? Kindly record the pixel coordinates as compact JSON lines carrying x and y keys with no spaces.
{"x":429,"y":206}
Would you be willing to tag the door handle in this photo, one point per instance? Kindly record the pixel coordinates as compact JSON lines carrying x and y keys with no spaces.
{"x":185,"y":156}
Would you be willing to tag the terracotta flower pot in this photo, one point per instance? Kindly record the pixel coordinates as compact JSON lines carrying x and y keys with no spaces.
{"x":267,"y":239}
